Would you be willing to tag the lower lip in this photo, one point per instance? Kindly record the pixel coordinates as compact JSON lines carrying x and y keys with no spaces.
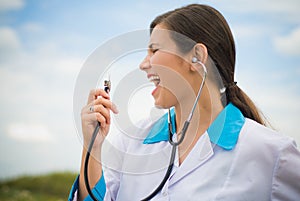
{"x":154,"y":91}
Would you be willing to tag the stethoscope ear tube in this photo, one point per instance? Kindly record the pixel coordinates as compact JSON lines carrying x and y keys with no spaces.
{"x":166,"y":177}
{"x":174,"y":144}
{"x":182,"y":132}
{"x":172,"y":159}
{"x":107,"y":86}
{"x":86,"y":162}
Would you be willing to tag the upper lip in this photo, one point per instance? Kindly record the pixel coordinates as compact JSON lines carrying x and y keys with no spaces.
{"x":149,"y":75}
{"x":154,"y":78}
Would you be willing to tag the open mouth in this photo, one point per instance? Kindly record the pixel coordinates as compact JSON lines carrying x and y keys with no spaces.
{"x":155,"y":79}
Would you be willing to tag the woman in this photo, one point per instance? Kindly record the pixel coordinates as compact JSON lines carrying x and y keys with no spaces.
{"x":227,"y":152}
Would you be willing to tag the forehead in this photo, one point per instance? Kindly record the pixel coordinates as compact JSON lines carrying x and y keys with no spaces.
{"x":168,"y":40}
{"x":161,"y":36}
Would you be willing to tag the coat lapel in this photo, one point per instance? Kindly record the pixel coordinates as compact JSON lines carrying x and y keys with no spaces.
{"x":201,"y":152}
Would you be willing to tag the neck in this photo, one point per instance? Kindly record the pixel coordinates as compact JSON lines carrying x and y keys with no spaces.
{"x":201,"y":119}
{"x":204,"y":115}
{"x":207,"y":109}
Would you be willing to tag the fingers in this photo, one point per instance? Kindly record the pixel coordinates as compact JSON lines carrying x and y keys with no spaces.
{"x":94,"y":93}
{"x":95,"y":117}
{"x":101,"y":113}
{"x":99,"y":105}
{"x":104,"y":99}
{"x":98,"y":112}
{"x":94,"y":106}
{"x":106,"y":103}
{"x":103,"y":121}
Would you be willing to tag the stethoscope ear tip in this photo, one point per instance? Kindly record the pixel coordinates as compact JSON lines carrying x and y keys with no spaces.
{"x":194,"y":60}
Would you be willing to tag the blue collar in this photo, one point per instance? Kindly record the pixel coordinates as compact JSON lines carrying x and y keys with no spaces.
{"x":224,"y":131}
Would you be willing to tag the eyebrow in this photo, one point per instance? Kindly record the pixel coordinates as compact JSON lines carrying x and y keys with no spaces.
{"x":151,"y":45}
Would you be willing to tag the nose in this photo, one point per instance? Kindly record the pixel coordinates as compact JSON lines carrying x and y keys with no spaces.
{"x":145,"y":64}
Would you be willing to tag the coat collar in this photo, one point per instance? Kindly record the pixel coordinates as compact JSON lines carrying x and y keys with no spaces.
{"x":224,"y":131}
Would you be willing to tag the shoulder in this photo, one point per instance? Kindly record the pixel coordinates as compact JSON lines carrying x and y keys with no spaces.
{"x":264,"y":145}
{"x":266,"y":149}
{"x":262,"y":137}
{"x":266,"y":162}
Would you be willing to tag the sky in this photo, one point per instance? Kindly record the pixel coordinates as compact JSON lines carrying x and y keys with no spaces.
{"x":44,"y":46}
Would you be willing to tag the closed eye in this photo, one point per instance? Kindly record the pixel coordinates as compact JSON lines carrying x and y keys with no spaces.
{"x":154,"y":50}
{"x":153,"y":47}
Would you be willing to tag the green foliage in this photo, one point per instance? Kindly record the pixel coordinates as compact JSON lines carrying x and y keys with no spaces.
{"x":50,"y":187}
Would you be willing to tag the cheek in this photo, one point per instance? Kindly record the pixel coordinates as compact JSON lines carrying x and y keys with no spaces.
{"x":161,"y":58}
{"x":173,"y":79}
{"x":175,"y":85}
{"x":167,"y":60}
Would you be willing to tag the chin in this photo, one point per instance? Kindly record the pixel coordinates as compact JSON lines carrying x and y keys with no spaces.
{"x":161,"y":105}
{"x":164,"y":100}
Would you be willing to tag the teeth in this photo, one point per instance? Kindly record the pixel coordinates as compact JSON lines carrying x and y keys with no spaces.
{"x":155,"y":79}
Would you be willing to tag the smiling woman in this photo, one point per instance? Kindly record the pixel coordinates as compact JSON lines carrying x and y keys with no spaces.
{"x":218,"y":144}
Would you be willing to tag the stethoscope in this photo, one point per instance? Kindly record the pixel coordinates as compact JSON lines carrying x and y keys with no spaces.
{"x":174,"y":144}
{"x":182,"y":133}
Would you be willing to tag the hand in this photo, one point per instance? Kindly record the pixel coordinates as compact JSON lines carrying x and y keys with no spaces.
{"x":97,"y":110}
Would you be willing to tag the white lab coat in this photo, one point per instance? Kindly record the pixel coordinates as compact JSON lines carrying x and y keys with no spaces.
{"x":263,"y":166}
{"x":248,"y":162}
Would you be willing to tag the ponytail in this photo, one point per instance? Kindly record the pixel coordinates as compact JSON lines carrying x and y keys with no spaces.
{"x":204,"y":24}
{"x":236,"y":96}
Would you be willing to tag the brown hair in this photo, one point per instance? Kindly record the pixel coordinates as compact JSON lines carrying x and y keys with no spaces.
{"x":204,"y":24}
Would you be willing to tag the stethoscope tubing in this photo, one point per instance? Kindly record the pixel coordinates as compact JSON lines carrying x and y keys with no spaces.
{"x":182,"y":132}
{"x":174,"y":144}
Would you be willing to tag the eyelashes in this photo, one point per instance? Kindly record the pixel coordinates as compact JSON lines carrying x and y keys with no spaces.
{"x":154,"y":50}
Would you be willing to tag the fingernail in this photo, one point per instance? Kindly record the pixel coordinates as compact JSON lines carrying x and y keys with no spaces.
{"x":114,"y":108}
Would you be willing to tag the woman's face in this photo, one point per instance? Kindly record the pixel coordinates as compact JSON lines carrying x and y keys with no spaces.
{"x":167,"y":69}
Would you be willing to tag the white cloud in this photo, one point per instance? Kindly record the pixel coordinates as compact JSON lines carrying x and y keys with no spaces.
{"x":32,"y":27}
{"x":38,"y":82}
{"x":29,"y":132}
{"x":289,"y":44}
{"x":276,"y":96}
{"x":268,"y":6}
{"x":11,"y":4}
{"x":277,"y":10}
{"x":9,"y":42}
{"x":252,"y":31}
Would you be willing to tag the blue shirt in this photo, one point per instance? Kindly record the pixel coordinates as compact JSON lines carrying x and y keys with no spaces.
{"x":236,"y":159}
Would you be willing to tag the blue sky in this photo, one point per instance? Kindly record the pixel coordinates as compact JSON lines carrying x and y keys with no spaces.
{"x":43,"y":45}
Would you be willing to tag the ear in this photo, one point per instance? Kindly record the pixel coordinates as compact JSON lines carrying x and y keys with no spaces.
{"x":199,"y":51}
